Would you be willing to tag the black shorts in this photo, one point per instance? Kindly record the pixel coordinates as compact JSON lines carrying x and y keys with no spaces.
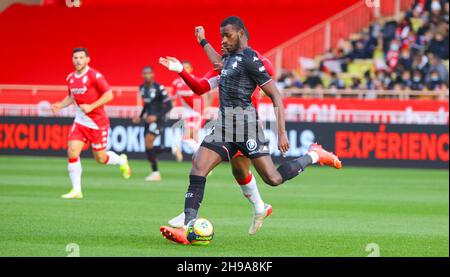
{"x":155,"y":128}
{"x":252,"y":148}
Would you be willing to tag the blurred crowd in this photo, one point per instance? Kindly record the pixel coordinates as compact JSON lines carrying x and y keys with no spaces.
{"x":407,"y":54}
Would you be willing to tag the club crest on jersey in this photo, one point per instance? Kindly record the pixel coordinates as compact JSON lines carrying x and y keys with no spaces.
{"x":251,"y":144}
{"x":85,"y":79}
{"x":152,"y":93}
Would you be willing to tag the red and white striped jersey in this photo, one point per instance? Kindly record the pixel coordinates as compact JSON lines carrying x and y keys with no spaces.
{"x":87,"y":88}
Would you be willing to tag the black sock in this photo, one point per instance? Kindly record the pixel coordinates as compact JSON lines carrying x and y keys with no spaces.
{"x":161,"y":149}
{"x":151,"y":157}
{"x":291,"y":169}
{"x":194,"y":197}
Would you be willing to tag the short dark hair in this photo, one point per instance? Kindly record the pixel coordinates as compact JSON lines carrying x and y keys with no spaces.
{"x":147,"y":67}
{"x":235,"y":21}
{"x":186,"y":62}
{"x":80,"y":49}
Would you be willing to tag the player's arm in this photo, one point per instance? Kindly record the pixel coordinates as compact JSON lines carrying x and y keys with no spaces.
{"x":166,"y":102}
{"x":258,"y":73}
{"x":198,"y":86}
{"x":214,"y":57}
{"x":144,"y":108}
{"x":138,"y":119}
{"x":104,"y":99}
{"x":67,"y":101}
{"x":272,"y":91}
{"x":106,"y":95}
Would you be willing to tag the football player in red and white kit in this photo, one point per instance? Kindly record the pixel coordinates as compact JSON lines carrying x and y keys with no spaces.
{"x":193,"y":109}
{"x":89,"y":91}
{"x":239,"y":163}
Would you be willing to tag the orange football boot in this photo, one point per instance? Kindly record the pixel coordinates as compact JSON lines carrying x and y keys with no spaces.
{"x":325,"y":157}
{"x":177,"y":235}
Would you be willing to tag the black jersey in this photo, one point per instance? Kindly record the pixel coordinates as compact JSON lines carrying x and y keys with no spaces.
{"x":242,"y":72}
{"x":156,"y":100}
{"x":240,"y":75}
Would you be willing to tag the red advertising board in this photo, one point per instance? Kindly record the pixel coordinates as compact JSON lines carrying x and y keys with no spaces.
{"x":392,"y":145}
{"x":29,"y":101}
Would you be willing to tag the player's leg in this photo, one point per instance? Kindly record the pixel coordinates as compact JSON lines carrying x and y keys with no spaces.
{"x":190,"y":133}
{"x":240,"y":166}
{"x":99,"y":141}
{"x":112,"y":158}
{"x":204,"y":160}
{"x":74,"y":168}
{"x":247,"y":182}
{"x":176,"y":147}
{"x":152,"y":154}
{"x":179,"y":220}
{"x":290,"y":169}
{"x":276,"y":176}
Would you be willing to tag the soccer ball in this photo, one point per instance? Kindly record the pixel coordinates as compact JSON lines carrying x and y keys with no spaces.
{"x":199,"y":231}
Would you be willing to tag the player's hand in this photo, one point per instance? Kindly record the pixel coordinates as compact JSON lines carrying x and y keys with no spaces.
{"x":86,"y":108}
{"x":136,"y":120}
{"x":171,"y":63}
{"x":218,"y":66}
{"x":283,"y":143}
{"x":56,"y":107}
{"x":151,"y":118}
{"x":200,"y":33}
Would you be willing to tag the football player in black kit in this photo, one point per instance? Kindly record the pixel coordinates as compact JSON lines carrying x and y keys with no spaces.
{"x":156,"y":105}
{"x":237,"y":127}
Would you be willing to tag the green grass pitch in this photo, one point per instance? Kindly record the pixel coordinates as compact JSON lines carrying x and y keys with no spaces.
{"x":323,"y":212}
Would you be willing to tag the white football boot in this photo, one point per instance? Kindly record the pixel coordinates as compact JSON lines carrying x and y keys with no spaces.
{"x":153,"y":177}
{"x":73,"y":195}
{"x":258,"y":219}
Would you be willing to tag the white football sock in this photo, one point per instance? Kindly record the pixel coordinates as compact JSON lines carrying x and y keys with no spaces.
{"x":251,"y":192}
{"x":314,"y":156}
{"x":113,"y":158}
{"x":75,"y":171}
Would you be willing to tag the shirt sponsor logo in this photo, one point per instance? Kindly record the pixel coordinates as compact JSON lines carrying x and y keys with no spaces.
{"x":78,"y":90}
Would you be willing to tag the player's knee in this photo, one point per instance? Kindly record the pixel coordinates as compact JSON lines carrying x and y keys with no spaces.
{"x":148,"y":146}
{"x":101,"y":159}
{"x":71,"y":153}
{"x":197,"y":169}
{"x":239,"y":174}
{"x":273,"y":180}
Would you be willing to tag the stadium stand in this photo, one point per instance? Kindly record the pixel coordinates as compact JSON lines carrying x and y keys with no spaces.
{"x":6,"y":3}
{"x":401,"y":53}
